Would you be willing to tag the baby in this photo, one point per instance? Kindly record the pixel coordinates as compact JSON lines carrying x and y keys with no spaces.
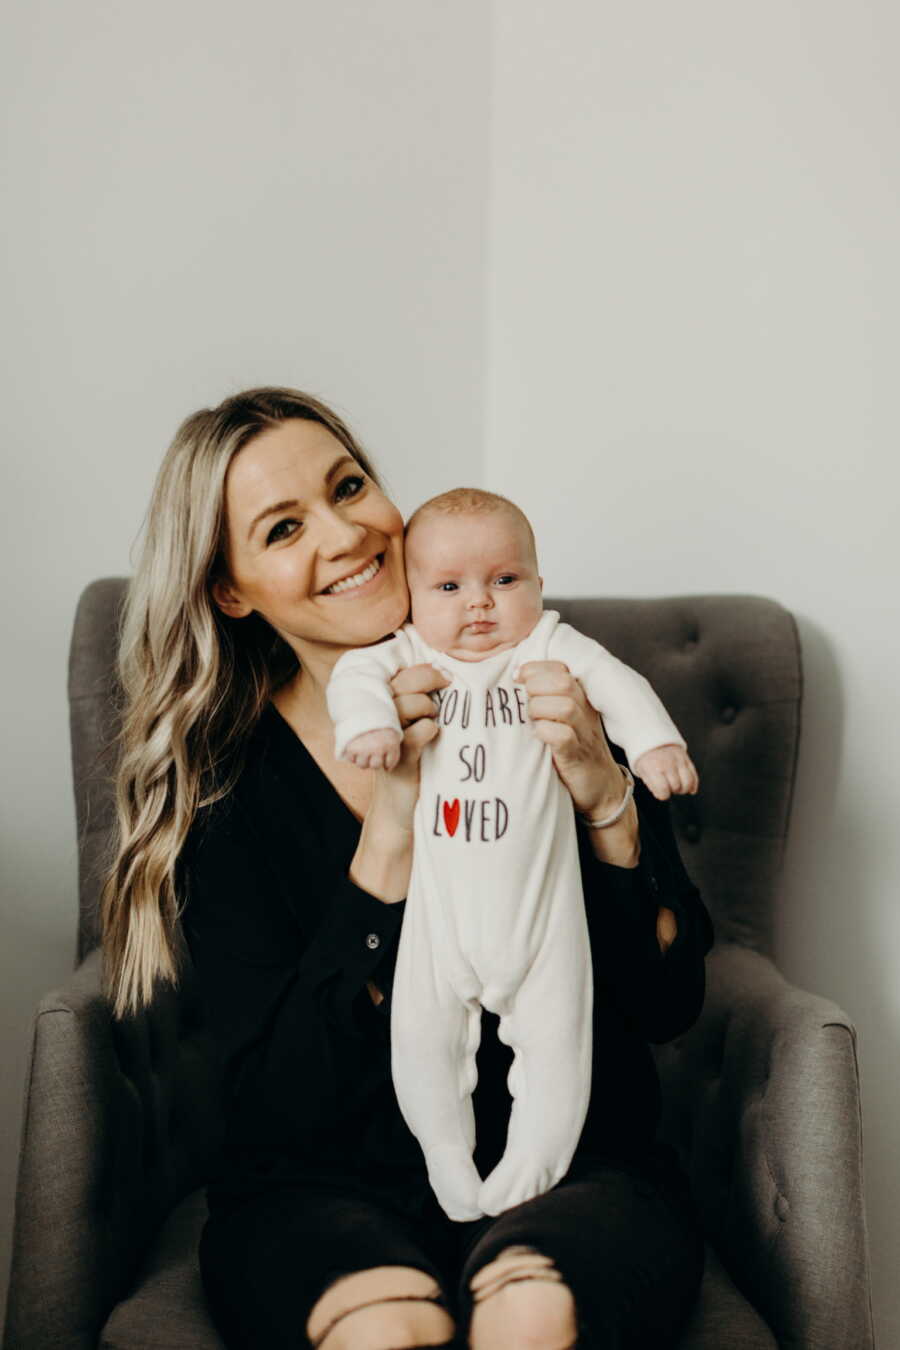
{"x":495,"y":911}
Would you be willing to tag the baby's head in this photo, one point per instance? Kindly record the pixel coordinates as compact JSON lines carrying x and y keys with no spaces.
{"x":472,"y":571}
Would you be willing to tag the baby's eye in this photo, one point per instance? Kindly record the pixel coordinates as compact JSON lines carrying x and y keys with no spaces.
{"x":507,"y":577}
{"x":272,"y":538}
{"x":357,"y":481}
{"x":444,"y":585}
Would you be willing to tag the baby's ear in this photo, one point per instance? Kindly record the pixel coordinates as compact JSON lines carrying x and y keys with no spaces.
{"x":541,"y":580}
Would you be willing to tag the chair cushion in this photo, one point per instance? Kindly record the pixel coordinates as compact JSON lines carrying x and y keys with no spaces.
{"x":722,"y":1316}
{"x":167,"y":1310}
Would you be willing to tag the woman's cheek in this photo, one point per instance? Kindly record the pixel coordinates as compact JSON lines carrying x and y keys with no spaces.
{"x":293,"y":576}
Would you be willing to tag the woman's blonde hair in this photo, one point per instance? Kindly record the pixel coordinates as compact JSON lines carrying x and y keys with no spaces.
{"x":195,"y":683}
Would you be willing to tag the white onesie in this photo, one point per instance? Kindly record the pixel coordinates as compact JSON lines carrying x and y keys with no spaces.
{"x":495,"y":911}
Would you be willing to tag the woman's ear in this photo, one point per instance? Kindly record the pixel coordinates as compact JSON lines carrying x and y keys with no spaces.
{"x":228,"y":600}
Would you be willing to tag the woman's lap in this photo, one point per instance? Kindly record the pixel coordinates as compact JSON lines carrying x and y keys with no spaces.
{"x":265,"y":1263}
{"x":631,"y":1255}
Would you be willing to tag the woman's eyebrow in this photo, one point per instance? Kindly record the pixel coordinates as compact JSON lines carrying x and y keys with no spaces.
{"x":282,"y":506}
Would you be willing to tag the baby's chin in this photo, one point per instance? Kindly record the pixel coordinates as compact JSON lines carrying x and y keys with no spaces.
{"x":479,"y":653}
{"x":470,"y":646}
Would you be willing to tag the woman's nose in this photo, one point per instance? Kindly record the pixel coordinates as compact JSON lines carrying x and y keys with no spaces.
{"x":339,"y":535}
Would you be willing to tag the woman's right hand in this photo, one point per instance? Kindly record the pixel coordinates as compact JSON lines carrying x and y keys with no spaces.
{"x":382,"y":862}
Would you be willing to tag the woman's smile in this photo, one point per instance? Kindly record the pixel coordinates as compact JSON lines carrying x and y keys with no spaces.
{"x":360,"y":582}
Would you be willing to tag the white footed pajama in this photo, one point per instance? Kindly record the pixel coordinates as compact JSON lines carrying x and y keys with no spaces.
{"x":494,"y":913}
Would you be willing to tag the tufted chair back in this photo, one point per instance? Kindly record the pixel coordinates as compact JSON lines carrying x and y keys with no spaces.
{"x":727,"y":668}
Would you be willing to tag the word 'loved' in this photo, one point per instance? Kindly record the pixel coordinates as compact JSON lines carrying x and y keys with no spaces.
{"x":484,"y":819}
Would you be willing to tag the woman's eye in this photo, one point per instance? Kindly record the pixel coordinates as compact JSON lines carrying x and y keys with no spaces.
{"x":272,"y":537}
{"x":354,"y":479}
{"x":351,"y":486}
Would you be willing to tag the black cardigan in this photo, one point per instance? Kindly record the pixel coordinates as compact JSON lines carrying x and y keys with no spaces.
{"x":283,"y":943}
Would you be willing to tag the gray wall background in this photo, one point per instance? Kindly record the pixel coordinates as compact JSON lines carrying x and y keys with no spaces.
{"x":634,"y":266}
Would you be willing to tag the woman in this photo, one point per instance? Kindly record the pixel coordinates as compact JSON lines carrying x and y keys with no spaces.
{"x":270,"y":549}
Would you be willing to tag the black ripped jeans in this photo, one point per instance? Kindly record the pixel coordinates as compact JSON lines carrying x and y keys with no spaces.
{"x":624,"y":1238}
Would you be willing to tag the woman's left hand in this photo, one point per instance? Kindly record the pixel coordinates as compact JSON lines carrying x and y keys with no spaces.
{"x":564,"y":719}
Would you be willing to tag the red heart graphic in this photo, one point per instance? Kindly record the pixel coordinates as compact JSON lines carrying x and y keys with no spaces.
{"x":451,"y":816}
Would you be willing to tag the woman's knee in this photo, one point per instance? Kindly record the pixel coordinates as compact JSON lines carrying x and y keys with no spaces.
{"x":386,"y":1306}
{"x":520,"y":1299}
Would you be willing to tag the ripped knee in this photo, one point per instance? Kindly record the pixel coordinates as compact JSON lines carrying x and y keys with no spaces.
{"x":511,"y":1266}
{"x":387,"y":1298}
{"x":513,"y":1297}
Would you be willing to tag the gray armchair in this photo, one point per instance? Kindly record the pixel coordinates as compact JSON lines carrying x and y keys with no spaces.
{"x":123,"y":1123}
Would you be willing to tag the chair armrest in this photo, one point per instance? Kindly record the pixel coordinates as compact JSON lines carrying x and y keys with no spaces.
{"x":108,"y":1147}
{"x":765,"y":1108}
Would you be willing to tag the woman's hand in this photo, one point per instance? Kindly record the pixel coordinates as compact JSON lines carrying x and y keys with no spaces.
{"x":396,"y":792}
{"x":564,"y":719}
{"x":383,"y":859}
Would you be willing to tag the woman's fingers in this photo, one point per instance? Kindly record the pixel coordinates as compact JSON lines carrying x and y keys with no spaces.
{"x":566,"y":721}
{"x":412,"y":688}
{"x":418,"y":679}
{"x":555,"y":695}
{"x":545,"y":677}
{"x":412,"y":706}
{"x":558,"y":735}
{"x":417,"y":735}
{"x":554,"y":707}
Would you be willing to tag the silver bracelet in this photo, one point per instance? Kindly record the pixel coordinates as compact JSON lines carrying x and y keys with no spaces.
{"x":620,"y":810}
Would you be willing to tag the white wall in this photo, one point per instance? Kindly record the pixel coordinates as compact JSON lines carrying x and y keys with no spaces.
{"x":200,"y":197}
{"x":691,"y":319}
{"x":693,"y":335}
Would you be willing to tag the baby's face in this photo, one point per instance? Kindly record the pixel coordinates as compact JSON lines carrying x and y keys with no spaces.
{"x":473,"y":583}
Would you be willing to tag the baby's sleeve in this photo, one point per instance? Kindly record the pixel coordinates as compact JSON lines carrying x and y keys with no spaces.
{"x":358,"y":693}
{"x":632,"y":712}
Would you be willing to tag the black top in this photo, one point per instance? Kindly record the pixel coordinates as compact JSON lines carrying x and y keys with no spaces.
{"x":284,"y":942}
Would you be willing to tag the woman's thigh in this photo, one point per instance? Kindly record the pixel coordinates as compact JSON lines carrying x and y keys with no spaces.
{"x":265,"y":1263}
{"x":631,"y":1255}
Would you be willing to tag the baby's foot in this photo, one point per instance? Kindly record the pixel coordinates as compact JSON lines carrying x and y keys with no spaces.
{"x":667,"y":770}
{"x":375,"y":749}
{"x":516,"y":1178}
{"x":455,"y":1181}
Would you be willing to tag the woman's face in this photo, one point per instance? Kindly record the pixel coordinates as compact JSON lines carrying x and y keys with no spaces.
{"x":301,"y":516}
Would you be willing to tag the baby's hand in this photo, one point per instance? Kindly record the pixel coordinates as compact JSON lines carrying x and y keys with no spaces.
{"x":375,"y":749}
{"x":666,"y":770}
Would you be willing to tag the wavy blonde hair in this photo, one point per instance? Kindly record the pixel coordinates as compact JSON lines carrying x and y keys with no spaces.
{"x":195,"y":683}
